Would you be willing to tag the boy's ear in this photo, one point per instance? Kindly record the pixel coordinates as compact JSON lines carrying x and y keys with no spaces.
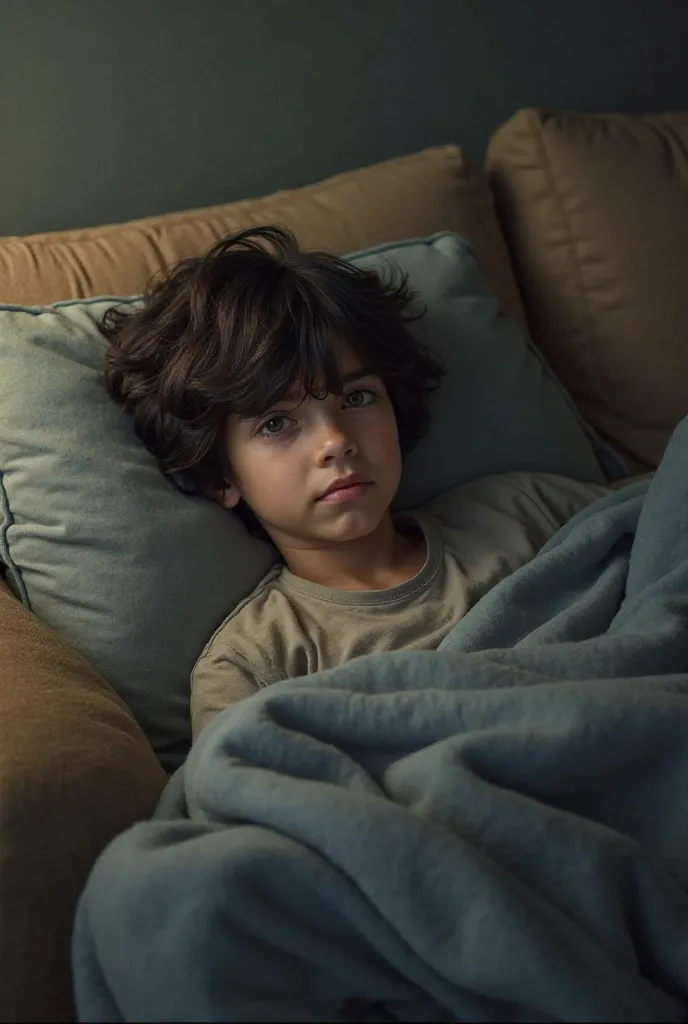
{"x":228,"y":497}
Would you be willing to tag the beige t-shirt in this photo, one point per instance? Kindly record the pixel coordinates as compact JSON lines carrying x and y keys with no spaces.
{"x":475,"y":535}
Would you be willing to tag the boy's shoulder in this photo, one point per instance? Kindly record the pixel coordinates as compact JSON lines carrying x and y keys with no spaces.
{"x":264,"y":635}
{"x":519,"y":494}
{"x":249,"y":611}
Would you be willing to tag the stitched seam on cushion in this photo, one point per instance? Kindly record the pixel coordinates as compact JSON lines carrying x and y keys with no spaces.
{"x":12,"y":569}
{"x":568,"y":231}
{"x":115,"y":300}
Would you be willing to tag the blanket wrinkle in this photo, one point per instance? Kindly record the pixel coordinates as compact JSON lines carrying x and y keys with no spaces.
{"x":496,"y":831}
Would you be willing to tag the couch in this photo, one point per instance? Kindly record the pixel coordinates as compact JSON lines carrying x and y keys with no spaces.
{"x":581,"y":226}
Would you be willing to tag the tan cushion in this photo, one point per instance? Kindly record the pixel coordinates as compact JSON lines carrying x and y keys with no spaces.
{"x":596,"y":212}
{"x":434,"y":190}
{"x":74,"y":771}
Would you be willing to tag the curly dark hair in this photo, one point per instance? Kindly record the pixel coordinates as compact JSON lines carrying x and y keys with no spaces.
{"x":231,"y":332}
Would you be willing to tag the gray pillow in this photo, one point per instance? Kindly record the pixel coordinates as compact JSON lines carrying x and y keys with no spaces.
{"x":136,"y":575}
{"x":500,"y":406}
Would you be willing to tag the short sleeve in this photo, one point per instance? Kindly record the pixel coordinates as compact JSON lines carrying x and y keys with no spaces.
{"x":541,"y":501}
{"x":494,"y":525}
{"x":218,"y":680}
{"x":558,"y":498}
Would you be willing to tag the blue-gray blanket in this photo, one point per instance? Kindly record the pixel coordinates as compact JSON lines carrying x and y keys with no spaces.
{"x":497,"y":831}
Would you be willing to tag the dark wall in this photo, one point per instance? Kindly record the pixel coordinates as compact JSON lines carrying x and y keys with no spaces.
{"x":111,"y":109}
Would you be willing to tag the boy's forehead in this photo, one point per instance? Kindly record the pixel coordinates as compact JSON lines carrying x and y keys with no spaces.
{"x":347,"y":376}
{"x":350,"y":369}
{"x":348,"y":361}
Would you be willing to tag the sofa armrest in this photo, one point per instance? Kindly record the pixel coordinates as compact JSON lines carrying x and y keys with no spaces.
{"x":75,"y":770}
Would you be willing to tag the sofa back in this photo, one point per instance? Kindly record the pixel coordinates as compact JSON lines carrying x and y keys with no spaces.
{"x":438,"y":189}
{"x":111,"y":112}
{"x":595,"y":211}
{"x":591,"y":213}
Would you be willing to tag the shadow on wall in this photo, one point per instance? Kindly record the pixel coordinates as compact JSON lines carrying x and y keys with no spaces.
{"x":114,"y":111}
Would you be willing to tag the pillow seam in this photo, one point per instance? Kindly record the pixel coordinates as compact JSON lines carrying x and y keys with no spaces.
{"x":12,"y":570}
{"x":568,"y":231}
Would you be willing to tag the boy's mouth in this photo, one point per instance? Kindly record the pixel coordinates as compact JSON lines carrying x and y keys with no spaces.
{"x":345,"y":489}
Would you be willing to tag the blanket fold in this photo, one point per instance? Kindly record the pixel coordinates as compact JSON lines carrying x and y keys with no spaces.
{"x":494,"y":831}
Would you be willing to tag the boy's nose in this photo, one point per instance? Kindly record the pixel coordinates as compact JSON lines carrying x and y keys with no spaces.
{"x":336,"y":444}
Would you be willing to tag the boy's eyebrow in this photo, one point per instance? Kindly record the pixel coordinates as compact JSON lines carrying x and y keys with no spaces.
{"x":347,"y":378}
{"x":357,"y":374}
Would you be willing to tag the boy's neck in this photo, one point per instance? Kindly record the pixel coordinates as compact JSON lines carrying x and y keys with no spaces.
{"x":384,"y":558}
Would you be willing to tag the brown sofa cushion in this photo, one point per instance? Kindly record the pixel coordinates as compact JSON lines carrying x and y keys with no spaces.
{"x":434,"y":190}
{"x":596,"y":212}
{"x":74,"y":771}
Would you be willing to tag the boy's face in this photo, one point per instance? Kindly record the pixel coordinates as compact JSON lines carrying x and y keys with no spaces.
{"x":287,"y":461}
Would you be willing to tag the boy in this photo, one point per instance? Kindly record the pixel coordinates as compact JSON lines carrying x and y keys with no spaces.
{"x":286,"y":385}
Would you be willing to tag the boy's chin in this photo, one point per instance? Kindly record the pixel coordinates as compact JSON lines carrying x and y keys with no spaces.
{"x":340,"y":526}
{"x":351,"y":526}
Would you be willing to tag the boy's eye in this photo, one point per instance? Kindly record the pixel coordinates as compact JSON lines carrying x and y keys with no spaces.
{"x":274,"y":426}
{"x":360,"y":397}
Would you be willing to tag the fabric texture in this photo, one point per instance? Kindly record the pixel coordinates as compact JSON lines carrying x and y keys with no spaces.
{"x":437,"y":189}
{"x":75,"y":770}
{"x":136,"y":575}
{"x":97,"y":541}
{"x":493,"y":831}
{"x":475,"y":535}
{"x":595,"y":210}
{"x":500,"y":406}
